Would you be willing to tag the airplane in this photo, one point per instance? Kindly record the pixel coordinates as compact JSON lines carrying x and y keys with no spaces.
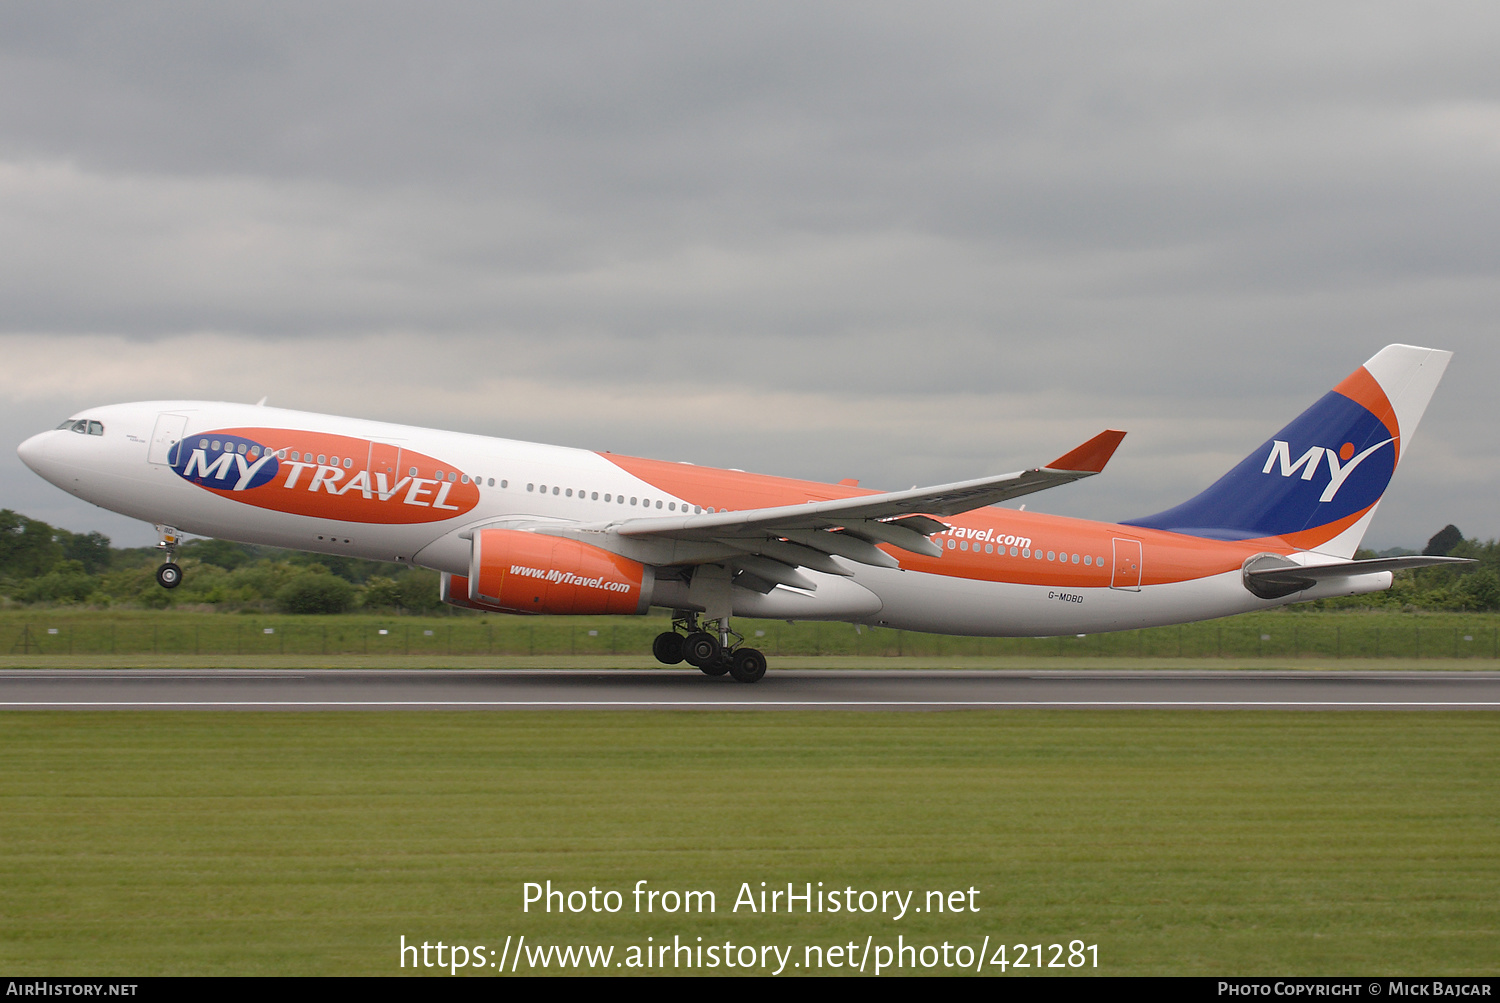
{"x":521,"y":527}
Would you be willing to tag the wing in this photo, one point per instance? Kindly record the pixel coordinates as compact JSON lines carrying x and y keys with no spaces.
{"x":765,"y":546}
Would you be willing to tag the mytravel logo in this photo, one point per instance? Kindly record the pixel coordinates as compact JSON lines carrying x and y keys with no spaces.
{"x":325,"y":476}
{"x":1341,"y":463}
{"x":225,"y":462}
{"x":569,"y":578}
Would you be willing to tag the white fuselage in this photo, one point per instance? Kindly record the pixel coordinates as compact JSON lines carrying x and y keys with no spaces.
{"x":410,"y":512}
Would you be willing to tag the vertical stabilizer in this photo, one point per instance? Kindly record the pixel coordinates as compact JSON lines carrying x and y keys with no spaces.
{"x":1317,"y":482}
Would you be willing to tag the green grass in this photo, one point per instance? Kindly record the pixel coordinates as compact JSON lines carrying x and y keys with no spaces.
{"x":1275,"y":635}
{"x":1179,"y":842}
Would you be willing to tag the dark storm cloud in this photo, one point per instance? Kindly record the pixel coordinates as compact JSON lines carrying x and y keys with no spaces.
{"x":1035,"y":219}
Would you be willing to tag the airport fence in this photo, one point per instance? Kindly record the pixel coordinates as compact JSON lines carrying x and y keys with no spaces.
{"x":1274,"y":635}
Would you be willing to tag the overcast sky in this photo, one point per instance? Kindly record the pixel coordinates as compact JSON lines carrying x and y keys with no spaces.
{"x":903,"y":243}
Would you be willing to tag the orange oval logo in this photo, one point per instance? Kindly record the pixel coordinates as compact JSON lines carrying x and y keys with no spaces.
{"x":329,"y":476}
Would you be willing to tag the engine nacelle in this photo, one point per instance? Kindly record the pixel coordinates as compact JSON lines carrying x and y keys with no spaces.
{"x":532,"y":573}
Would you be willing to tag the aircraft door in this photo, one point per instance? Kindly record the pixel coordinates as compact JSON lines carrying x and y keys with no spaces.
{"x":1127,"y":569}
{"x":385,"y":462}
{"x":168,"y":433}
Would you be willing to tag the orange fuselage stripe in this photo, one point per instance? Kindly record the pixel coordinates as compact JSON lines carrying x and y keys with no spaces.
{"x":1167,"y":557}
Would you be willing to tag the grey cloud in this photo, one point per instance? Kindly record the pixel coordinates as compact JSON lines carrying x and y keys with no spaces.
{"x":1047,"y":217}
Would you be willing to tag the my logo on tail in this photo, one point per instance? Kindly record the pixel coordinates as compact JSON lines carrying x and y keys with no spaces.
{"x":1341,"y":463}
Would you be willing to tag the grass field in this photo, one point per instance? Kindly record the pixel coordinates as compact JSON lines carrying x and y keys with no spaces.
{"x":1276,"y":635}
{"x":1178,"y":842}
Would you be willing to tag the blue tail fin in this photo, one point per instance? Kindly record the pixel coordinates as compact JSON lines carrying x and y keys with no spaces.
{"x":1316,"y":483}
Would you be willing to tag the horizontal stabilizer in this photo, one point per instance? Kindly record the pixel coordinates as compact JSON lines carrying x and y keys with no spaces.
{"x":1272,"y":576}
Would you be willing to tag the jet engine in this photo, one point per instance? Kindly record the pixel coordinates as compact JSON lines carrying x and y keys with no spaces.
{"x":531,"y":573}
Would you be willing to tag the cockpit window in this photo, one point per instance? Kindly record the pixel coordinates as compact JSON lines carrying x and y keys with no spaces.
{"x":66,"y":424}
{"x":96,"y":428}
{"x":83,"y":426}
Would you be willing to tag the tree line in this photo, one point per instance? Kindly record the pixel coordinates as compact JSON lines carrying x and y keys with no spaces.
{"x":44,"y":565}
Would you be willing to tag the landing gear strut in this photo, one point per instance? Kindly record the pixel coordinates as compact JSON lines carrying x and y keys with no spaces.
{"x":712,"y":655}
{"x":169,"y":575}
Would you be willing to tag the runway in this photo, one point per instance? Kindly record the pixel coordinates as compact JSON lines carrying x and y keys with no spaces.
{"x":792,"y":689}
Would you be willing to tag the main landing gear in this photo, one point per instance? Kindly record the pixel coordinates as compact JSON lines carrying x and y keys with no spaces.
{"x":710,"y":654}
{"x":169,"y":575}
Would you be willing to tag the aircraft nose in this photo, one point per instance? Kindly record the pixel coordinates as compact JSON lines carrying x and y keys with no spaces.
{"x":30,"y":451}
{"x":35,"y":454}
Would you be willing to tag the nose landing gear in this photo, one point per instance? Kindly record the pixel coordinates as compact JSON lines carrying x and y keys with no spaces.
{"x":169,"y":575}
{"x":711,"y":655}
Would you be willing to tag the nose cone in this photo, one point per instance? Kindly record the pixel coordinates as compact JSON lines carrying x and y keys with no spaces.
{"x":30,"y":451}
{"x":37,"y":455}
